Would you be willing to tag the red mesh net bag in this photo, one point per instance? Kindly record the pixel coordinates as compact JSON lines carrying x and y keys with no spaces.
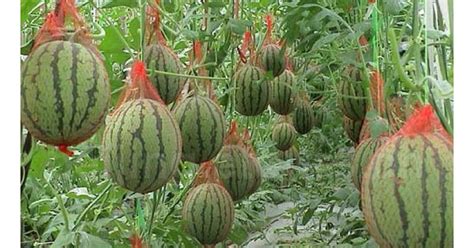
{"x":207,"y":173}
{"x":197,"y":59}
{"x":65,"y":23}
{"x":247,"y":49}
{"x":153,"y":25}
{"x":268,"y":35}
{"x":247,"y":141}
{"x":376,"y":91}
{"x":233,"y":137}
{"x":139,"y":86}
{"x":423,"y":121}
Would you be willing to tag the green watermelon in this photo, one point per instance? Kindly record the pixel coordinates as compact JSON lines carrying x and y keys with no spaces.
{"x":284,"y":135}
{"x":352,"y":129}
{"x":407,"y":188}
{"x":303,"y":117}
{"x":352,"y":95}
{"x":141,"y":145}
{"x":282,"y":96}
{"x":364,"y":152}
{"x":236,"y":171}
{"x":272,"y":59}
{"x":208,"y":213}
{"x":202,"y":126}
{"x":65,"y":93}
{"x":253,"y":91}
{"x":257,"y":179}
{"x":161,"y":58}
{"x":291,"y":153}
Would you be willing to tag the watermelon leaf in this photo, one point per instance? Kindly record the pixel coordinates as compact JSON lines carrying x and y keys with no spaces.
{"x":119,"y":3}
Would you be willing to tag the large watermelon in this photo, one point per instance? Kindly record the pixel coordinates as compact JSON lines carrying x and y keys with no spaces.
{"x":284,"y":135}
{"x":208,"y":213}
{"x":303,"y":117}
{"x":202,"y":127}
{"x":407,"y":188}
{"x":282,"y":96}
{"x":141,"y":145}
{"x":364,"y":152}
{"x":236,"y":171}
{"x":272,"y":59}
{"x":161,"y":58}
{"x":65,"y":93}
{"x":253,"y":91}
{"x":352,"y":95}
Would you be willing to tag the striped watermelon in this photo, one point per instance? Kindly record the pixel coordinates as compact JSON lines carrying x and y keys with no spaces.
{"x":141,"y":145}
{"x":161,"y":58}
{"x":284,"y":135}
{"x":208,"y":213}
{"x":272,"y":59}
{"x":352,"y":128}
{"x":253,"y":160}
{"x":291,"y":153}
{"x":236,"y":171}
{"x":318,"y":114}
{"x":282,"y":96}
{"x":257,"y":176}
{"x":65,"y":93}
{"x":253,"y":91}
{"x":303,"y":117}
{"x":362,"y":156}
{"x":202,"y":127}
{"x":352,"y":95}
{"x":407,"y":188}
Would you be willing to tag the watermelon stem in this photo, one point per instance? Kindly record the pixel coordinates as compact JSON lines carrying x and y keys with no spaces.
{"x":64,"y":149}
{"x":180,"y":198}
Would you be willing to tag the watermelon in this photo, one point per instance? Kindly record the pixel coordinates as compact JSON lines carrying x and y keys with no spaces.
{"x":272,"y":59}
{"x":407,"y":188}
{"x":319,"y":116}
{"x":352,"y":128}
{"x":65,"y":93}
{"x":253,"y":160}
{"x":236,"y":171}
{"x":202,"y":126}
{"x":352,"y":95}
{"x":282,"y":96}
{"x":303,"y":117}
{"x":256,"y":181}
{"x":283,"y":135}
{"x":362,"y":156}
{"x":253,"y":91}
{"x":291,"y":153}
{"x":161,"y":58}
{"x":208,"y":213}
{"x":141,"y":145}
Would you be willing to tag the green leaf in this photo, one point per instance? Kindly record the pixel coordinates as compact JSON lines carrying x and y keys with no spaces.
{"x":236,"y":26}
{"x":80,"y":193}
{"x":64,"y":239}
{"x":39,"y":161}
{"x":134,"y":29}
{"x":119,"y":3}
{"x":90,"y":241}
{"x":26,"y":7}
{"x":378,"y":126}
{"x":238,"y":234}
